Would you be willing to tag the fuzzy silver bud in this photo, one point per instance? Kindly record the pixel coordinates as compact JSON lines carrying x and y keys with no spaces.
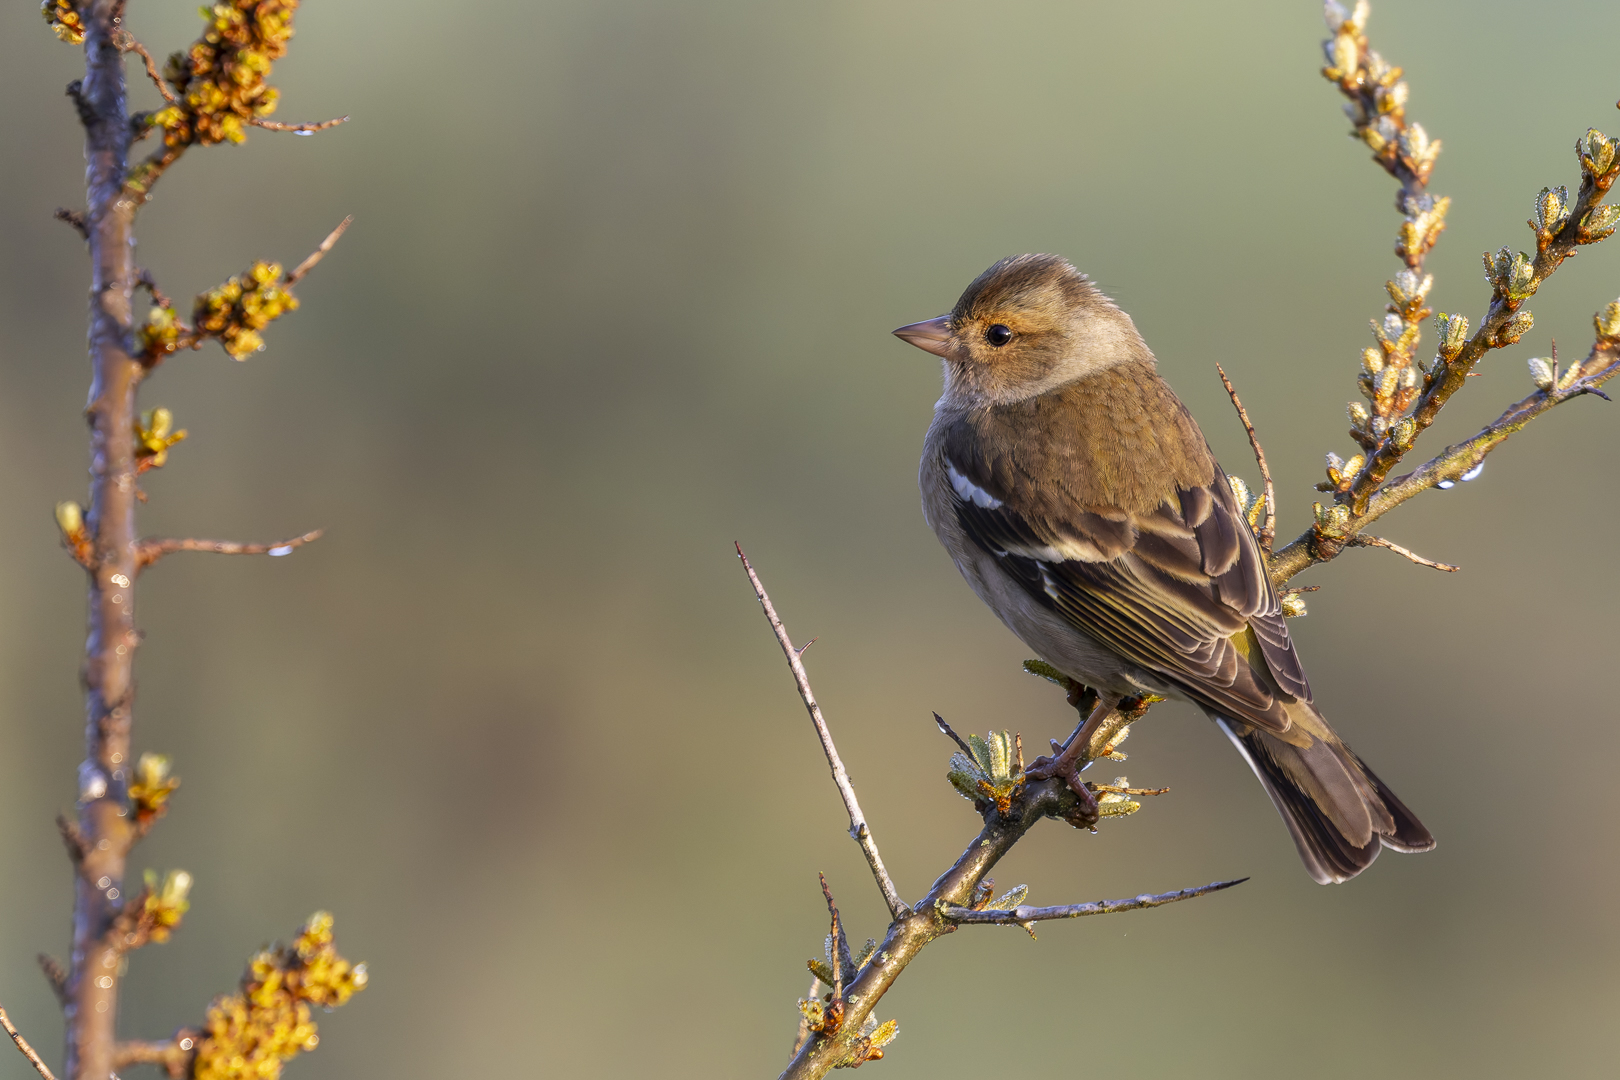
{"x":1607,"y":321}
{"x":1596,"y":151}
{"x":1541,"y":372}
{"x":1515,"y":328}
{"x":1551,"y":210}
{"x":1519,"y":279}
{"x":1453,"y":331}
{"x":1599,"y":223}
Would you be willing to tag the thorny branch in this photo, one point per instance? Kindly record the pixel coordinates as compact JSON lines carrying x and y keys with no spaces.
{"x":320,"y":252}
{"x":127,"y":43}
{"x":232,"y":313}
{"x":840,"y":1030}
{"x":297,"y":129}
{"x":857,"y":820}
{"x":151,"y":550}
{"x":174,"y":1056}
{"x":1024,"y":915}
{"x":1363,"y":540}
{"x":73,"y":218}
{"x":1268,"y":531}
{"x":1401,"y":407}
{"x":54,"y":974}
{"x":210,"y":91}
{"x":22,"y":1044}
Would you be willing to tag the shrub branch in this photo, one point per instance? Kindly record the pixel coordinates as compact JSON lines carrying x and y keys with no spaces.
{"x":839,"y":1030}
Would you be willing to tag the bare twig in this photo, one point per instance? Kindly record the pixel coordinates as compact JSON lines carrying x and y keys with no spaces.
{"x":843,"y":962}
{"x":1114,"y":790}
{"x":55,"y":975}
{"x":297,"y":129}
{"x":857,"y":820}
{"x":72,"y":838}
{"x":126,"y":42}
{"x":73,"y":218}
{"x":145,"y":280}
{"x":1363,"y":540}
{"x":174,"y":1055}
{"x":150,"y":551}
{"x":1268,"y":531}
{"x":957,"y":739}
{"x":22,"y":1044}
{"x":1024,"y":914}
{"x":318,"y":254}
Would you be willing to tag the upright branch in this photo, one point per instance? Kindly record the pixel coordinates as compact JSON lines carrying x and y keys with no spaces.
{"x":1377,"y":111}
{"x":104,"y":818}
{"x":217,"y":86}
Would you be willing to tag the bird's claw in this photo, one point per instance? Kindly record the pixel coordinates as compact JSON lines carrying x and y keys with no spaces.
{"x":1086,"y":814}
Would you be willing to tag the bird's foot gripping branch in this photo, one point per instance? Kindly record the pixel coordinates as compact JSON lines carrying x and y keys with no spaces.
{"x":838,"y":1026}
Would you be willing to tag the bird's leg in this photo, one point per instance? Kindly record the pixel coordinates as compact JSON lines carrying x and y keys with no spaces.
{"x":1082,"y":698}
{"x":1069,"y":755}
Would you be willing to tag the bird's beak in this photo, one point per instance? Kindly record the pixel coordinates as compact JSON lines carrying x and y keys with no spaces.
{"x":932,"y":336}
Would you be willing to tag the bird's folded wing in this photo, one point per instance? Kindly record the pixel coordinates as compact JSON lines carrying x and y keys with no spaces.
{"x":1171,"y":590}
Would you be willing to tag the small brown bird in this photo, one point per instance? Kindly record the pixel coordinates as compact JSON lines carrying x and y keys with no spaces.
{"x":1078,"y":497}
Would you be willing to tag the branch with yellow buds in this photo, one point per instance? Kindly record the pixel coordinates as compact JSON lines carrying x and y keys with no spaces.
{"x":231,"y":313}
{"x":219,"y":86}
{"x":211,"y":93}
{"x":838,"y":1029}
{"x":1377,"y":111}
{"x":1400,"y":405}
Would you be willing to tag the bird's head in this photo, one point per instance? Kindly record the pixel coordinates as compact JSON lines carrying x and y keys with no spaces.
{"x":1028,"y":324}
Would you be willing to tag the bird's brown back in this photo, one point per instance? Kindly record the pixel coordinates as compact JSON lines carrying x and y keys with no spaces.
{"x":1118,"y":439}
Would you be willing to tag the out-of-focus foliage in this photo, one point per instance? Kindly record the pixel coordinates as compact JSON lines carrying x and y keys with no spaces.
{"x":251,"y":1034}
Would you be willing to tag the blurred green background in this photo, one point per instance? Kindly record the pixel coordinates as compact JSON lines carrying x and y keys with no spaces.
{"x":618,"y":292}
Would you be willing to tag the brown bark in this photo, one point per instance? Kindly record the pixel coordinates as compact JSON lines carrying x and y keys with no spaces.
{"x":105,"y":832}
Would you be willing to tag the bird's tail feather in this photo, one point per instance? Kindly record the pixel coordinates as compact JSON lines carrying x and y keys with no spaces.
{"x":1337,"y":810}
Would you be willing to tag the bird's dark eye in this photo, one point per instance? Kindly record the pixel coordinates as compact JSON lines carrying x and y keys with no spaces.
{"x":998,"y":335}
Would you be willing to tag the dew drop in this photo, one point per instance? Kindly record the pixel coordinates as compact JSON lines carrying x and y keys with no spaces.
{"x":1446,"y":485}
{"x":277,"y":552}
{"x":1471,"y":473}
